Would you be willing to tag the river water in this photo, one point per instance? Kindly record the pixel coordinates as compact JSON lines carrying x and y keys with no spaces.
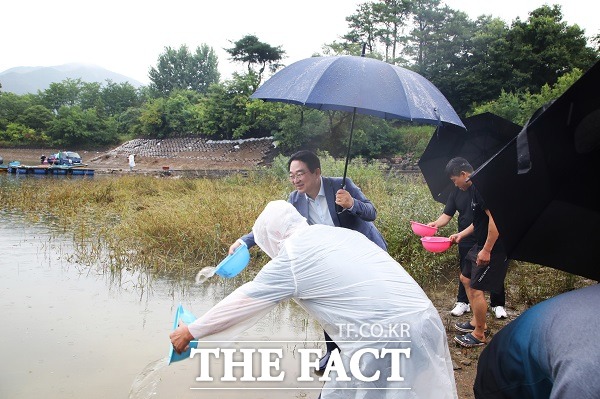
{"x":72,"y":331}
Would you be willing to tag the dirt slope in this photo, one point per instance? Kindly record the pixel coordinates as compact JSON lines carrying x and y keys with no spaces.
{"x":155,"y":155}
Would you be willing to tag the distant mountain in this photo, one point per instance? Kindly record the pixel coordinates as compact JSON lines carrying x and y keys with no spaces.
{"x":22,"y":80}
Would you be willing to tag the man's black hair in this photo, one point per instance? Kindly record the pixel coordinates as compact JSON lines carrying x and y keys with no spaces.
{"x":308,"y":157}
{"x":457,"y":165}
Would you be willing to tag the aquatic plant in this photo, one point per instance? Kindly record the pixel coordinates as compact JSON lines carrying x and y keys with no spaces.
{"x":177,"y":226}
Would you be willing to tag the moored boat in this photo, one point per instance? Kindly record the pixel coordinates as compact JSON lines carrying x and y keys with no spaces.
{"x":16,"y":167}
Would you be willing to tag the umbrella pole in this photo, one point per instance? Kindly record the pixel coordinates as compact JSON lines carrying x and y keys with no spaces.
{"x":351,"y":130}
{"x":349,"y":146}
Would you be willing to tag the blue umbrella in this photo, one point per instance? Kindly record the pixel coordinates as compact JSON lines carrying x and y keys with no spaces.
{"x":359,"y":85}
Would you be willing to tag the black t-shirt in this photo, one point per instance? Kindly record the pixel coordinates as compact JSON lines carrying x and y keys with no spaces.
{"x":460,"y":201}
{"x":481,"y":221}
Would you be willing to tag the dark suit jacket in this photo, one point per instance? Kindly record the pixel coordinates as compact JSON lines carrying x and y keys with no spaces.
{"x":360,"y":218}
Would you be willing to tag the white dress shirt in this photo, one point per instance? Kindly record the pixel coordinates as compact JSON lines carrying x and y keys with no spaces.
{"x":318,"y":211}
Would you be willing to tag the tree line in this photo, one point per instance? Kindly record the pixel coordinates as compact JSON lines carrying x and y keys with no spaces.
{"x":479,"y":65}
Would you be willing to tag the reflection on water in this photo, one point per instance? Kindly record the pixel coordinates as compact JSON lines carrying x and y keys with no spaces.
{"x":75,"y":329}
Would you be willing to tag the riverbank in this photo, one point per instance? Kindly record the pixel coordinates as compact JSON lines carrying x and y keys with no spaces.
{"x":194,"y":157}
{"x":178,"y":224}
{"x":191,"y":222}
{"x":160,"y":156}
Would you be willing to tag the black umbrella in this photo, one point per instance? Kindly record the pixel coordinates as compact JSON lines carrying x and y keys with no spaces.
{"x":486,"y":134}
{"x":542,"y":187}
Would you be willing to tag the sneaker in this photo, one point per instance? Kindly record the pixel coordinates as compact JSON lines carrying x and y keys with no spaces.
{"x":466,"y":327}
{"x":500,"y":312}
{"x":468,"y":341}
{"x":460,"y":308}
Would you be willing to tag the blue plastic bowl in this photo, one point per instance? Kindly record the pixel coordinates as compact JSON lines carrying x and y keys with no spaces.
{"x":234,"y":263}
{"x":187,"y":317}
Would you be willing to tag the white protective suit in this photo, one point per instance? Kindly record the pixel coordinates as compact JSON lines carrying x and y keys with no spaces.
{"x":341,"y":278}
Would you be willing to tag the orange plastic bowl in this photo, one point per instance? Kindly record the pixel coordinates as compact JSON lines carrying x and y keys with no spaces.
{"x":422,"y":230}
{"x":436,"y":244}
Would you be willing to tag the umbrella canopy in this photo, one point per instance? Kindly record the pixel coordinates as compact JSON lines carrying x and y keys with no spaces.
{"x":549,"y":214}
{"x":365,"y":85}
{"x":486,"y":134}
{"x":359,"y":85}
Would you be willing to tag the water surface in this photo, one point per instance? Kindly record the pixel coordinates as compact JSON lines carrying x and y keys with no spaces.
{"x":71,"y":330}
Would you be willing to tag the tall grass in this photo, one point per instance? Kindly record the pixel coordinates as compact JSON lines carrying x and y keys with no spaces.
{"x":177,"y":226}
{"x":398,"y":201}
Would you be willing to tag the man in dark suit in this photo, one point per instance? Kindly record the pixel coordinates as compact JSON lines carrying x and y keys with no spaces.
{"x":316,"y":198}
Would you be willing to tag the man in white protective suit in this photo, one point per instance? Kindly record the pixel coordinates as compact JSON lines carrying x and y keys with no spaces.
{"x":340,"y":278}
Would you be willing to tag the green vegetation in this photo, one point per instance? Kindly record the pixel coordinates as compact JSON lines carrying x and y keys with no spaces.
{"x":519,"y":107}
{"x":181,"y":70}
{"x":171,"y":226}
{"x":481,"y":65}
{"x":175,"y":227}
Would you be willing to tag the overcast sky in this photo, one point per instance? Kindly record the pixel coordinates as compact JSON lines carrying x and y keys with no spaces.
{"x":127,"y":36}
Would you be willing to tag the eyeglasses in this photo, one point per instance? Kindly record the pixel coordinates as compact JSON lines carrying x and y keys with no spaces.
{"x":297,"y":176}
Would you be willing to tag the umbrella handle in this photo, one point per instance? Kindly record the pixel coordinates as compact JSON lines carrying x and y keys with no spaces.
{"x":338,"y":208}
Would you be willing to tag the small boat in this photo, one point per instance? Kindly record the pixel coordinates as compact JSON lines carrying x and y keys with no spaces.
{"x":16,"y":167}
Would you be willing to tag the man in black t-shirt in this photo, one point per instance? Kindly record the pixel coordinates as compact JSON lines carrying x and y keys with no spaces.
{"x":486,"y":263}
{"x":460,"y":201}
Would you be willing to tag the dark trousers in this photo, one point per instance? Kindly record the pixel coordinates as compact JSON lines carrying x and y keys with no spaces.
{"x":329,"y":342}
{"x":496,"y":298}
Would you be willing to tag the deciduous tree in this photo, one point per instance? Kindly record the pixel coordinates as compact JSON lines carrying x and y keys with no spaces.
{"x":181,"y":70}
{"x":544,"y":47}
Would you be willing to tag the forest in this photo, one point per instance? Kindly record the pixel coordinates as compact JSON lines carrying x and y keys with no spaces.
{"x":480,"y":65}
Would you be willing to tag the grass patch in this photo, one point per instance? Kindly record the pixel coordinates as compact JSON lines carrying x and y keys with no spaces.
{"x":530,"y":284}
{"x":177,"y":226}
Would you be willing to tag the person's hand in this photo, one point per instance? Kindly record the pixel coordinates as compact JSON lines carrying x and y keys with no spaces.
{"x":344,"y":199}
{"x":180,"y":338}
{"x":483,"y":257}
{"x":234,"y":246}
{"x":431,"y":224}
{"x":455,"y":238}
